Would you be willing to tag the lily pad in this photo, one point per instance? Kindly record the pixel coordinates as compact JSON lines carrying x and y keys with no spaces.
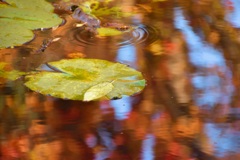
{"x":20,"y":17}
{"x":86,"y":79}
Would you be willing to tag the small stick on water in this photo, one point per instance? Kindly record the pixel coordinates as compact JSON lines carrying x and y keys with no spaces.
{"x":4,"y":2}
{"x":90,"y":21}
{"x":46,"y":43}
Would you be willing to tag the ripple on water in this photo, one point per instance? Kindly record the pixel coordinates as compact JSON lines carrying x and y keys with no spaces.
{"x":137,"y":35}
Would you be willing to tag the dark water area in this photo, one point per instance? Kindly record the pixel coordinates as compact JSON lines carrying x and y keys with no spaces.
{"x":188,"y":52}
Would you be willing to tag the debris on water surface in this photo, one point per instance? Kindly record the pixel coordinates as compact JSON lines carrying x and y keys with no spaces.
{"x":118,"y":26}
{"x":91,"y":22}
{"x":80,"y":24}
{"x":46,"y":43}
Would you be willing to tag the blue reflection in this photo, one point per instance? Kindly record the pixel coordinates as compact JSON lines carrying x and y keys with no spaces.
{"x":224,"y":139}
{"x":147,"y":147}
{"x":122,"y":107}
{"x":210,"y":63}
{"x":214,"y":89}
{"x":233,"y":16}
{"x":127,"y":55}
{"x":201,"y":82}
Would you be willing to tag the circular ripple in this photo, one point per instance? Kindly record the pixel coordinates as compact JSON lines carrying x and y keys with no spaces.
{"x":137,"y":35}
{"x":83,"y":37}
{"x":140,"y":35}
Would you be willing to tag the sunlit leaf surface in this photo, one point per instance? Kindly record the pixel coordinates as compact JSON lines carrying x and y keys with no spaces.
{"x":98,"y":91}
{"x":87,"y":79}
{"x":20,"y":17}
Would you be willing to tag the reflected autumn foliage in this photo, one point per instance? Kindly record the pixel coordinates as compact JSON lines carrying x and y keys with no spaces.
{"x":188,"y":110}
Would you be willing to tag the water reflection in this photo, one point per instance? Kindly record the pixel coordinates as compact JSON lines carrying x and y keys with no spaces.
{"x":122,"y":107}
{"x":232,"y":9}
{"x":138,"y":34}
{"x":185,"y":112}
{"x":213,"y":77}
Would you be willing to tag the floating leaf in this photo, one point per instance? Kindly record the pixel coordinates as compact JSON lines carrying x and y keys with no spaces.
{"x":77,"y":79}
{"x":21,"y":16}
{"x":104,"y":31}
{"x":98,"y":91}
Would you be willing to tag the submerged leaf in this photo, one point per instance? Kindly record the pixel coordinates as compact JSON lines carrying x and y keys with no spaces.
{"x":103,"y":8}
{"x":104,"y":31}
{"x":155,"y":48}
{"x":9,"y":74}
{"x":86,"y":79}
{"x":21,"y":16}
{"x":98,"y":91}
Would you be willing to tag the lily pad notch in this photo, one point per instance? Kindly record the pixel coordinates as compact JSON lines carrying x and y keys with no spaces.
{"x":86,"y":80}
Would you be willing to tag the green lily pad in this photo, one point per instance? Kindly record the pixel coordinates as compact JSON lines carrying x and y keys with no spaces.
{"x":20,"y":17}
{"x":86,"y":79}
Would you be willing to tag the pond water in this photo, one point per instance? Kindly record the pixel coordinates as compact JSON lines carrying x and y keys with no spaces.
{"x":188,"y":53}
